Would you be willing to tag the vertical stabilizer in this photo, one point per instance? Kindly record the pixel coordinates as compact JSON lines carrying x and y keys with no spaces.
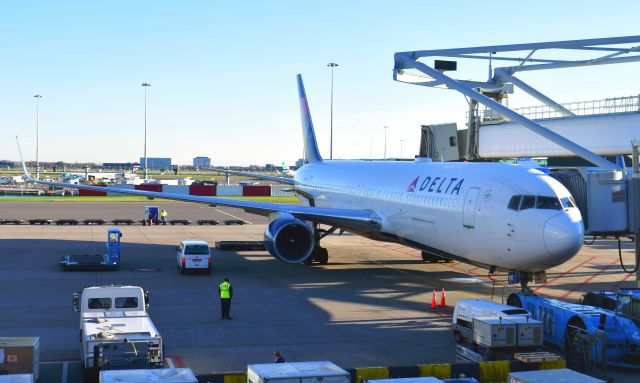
{"x":311,"y":152}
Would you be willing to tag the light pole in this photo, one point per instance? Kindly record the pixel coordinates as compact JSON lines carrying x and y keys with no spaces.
{"x":385,"y":142}
{"x":37,"y":97}
{"x":145,"y":85}
{"x":332,"y":65}
{"x":401,"y":141}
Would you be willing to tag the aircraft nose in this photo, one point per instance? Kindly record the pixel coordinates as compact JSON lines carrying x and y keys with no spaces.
{"x":563,"y":236}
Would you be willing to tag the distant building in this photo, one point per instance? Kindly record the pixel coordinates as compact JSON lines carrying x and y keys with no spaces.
{"x":7,"y":164}
{"x":270,"y":167}
{"x":299,"y":163}
{"x":157,"y":163}
{"x":202,"y":162}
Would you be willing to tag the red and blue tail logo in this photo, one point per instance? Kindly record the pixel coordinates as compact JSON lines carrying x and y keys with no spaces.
{"x":412,"y":185}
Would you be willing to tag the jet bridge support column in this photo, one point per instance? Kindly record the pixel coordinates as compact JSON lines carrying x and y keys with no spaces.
{"x":634,"y":202}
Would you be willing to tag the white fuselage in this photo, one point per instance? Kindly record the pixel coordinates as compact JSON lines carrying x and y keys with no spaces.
{"x":457,"y":210}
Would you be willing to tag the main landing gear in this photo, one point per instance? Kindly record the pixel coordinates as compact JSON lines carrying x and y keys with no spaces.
{"x":319,"y":254}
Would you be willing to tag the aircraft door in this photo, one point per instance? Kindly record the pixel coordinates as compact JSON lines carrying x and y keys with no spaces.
{"x":469,"y":209}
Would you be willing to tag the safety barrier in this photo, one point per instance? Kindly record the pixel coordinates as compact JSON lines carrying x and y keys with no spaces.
{"x":199,"y":190}
{"x":92,"y":193}
{"x":485,"y":372}
{"x":202,"y":190}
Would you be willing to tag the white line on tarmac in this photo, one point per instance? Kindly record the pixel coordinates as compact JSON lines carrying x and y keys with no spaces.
{"x":65,"y":369}
{"x":388,"y":267}
{"x":231,"y":215}
{"x":170,"y":362}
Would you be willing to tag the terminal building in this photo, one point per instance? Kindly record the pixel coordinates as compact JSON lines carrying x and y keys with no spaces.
{"x":157,"y":163}
{"x":202,"y":162}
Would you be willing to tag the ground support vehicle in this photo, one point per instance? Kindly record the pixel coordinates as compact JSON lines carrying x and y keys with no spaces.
{"x":625,"y":302}
{"x":110,"y":260}
{"x":589,"y":336}
{"x":194,"y":255}
{"x":116,"y":331}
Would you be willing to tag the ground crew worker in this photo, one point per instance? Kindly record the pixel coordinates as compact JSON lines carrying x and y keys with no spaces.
{"x":278,"y":357}
{"x":163,"y":216}
{"x":226,"y":293}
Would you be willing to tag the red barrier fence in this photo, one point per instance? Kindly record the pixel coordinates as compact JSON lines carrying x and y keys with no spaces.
{"x":150,"y":187}
{"x":256,"y":191}
{"x":204,"y":190}
{"x":92,"y":193}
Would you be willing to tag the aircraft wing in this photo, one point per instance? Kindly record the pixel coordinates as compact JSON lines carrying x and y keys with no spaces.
{"x":284,"y":180}
{"x":349,"y":219}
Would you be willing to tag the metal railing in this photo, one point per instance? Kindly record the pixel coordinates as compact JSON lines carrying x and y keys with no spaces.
{"x":630,"y":104}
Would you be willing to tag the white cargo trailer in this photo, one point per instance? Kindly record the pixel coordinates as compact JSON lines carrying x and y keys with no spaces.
{"x":163,"y":375}
{"x":423,"y":379}
{"x":297,"y":372}
{"x":561,"y":375}
{"x":17,"y":378}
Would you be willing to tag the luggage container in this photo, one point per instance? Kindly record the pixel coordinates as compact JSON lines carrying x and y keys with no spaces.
{"x":164,"y":375}
{"x":17,"y":378}
{"x":561,"y":375}
{"x":20,"y":355}
{"x":423,"y":379}
{"x":529,"y":331}
{"x":494,"y":332}
{"x":298,"y":372}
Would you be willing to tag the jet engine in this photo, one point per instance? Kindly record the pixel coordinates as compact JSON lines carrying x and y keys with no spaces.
{"x":289,"y":239}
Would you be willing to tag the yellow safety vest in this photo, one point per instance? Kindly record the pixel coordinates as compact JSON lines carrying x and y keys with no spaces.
{"x":224,"y":290}
{"x":163,"y":214}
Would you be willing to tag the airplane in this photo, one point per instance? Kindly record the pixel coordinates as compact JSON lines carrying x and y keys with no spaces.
{"x":497,"y":216}
{"x":288,"y":172}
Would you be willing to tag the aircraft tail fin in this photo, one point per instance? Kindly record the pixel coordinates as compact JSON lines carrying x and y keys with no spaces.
{"x":27,"y":176}
{"x":311,"y":152}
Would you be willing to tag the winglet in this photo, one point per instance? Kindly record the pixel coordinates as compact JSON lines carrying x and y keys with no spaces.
{"x":311,"y":152}
{"x":27,"y":176}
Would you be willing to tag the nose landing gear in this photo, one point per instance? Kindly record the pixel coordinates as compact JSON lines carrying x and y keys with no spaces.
{"x":524,"y":277}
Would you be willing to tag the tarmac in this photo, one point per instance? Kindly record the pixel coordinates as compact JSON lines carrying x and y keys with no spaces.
{"x":370,"y":306}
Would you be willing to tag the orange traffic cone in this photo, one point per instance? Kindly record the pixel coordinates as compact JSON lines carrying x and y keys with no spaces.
{"x":433,"y":300}
{"x":442,"y":299}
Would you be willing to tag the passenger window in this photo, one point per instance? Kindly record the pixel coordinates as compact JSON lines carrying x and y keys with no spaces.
{"x":551,"y":203}
{"x":126,"y":302}
{"x":515,"y":202}
{"x":528,"y":202}
{"x":100,"y":303}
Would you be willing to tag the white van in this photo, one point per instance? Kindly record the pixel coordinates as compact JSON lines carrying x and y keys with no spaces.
{"x":467,"y":309}
{"x":194,"y":255}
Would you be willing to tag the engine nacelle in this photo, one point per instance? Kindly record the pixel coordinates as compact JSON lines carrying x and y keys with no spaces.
{"x":289,"y":239}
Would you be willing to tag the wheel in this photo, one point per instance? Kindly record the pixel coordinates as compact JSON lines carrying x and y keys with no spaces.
{"x":209,"y":270}
{"x":458,"y":337}
{"x":173,"y":223}
{"x":574,"y":355}
{"x":322,"y":256}
{"x":181,"y":271}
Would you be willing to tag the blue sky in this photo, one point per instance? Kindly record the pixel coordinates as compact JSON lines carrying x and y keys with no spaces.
{"x":223,"y":73}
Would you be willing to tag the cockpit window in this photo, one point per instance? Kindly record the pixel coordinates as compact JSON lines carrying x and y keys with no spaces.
{"x":522,"y":202}
{"x":567,"y":202}
{"x":528,"y":202}
{"x":514,"y":203}
{"x":551,"y":203}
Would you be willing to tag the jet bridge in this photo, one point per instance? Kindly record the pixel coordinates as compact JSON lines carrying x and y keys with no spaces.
{"x":612,"y":194}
